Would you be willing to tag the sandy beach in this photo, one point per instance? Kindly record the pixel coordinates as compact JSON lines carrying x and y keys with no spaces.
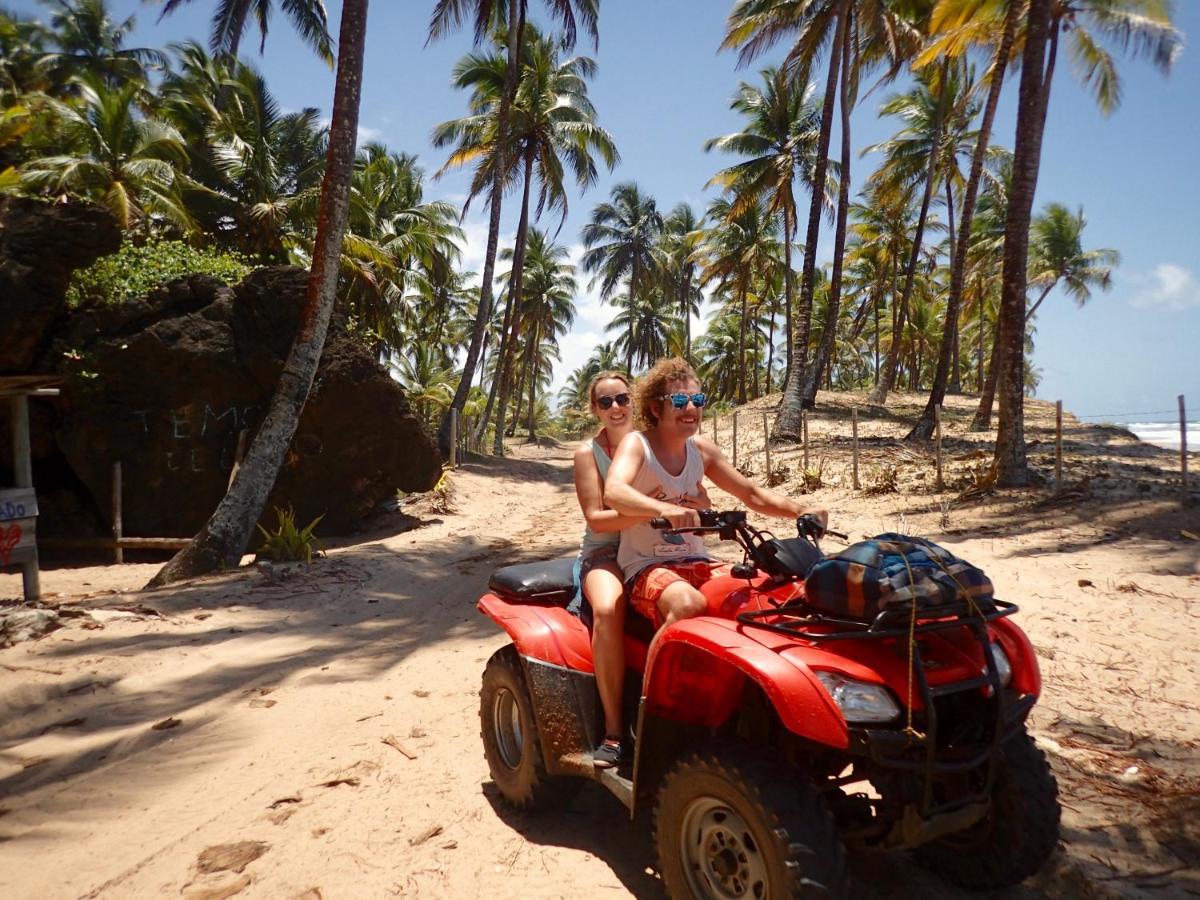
{"x":291,"y":732}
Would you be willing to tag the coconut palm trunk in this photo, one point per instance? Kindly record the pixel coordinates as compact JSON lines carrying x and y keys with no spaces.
{"x":742,"y":346}
{"x":789,"y":235}
{"x":1010,"y":462}
{"x":514,"y":299}
{"x":788,"y":424}
{"x":881,"y":389}
{"x":829,"y":333}
{"x":484,"y":314}
{"x":923,"y":430}
{"x":983,"y":414}
{"x":224,"y":537}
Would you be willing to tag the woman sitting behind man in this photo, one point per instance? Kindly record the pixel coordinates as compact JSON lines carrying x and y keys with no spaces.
{"x":610,"y":399}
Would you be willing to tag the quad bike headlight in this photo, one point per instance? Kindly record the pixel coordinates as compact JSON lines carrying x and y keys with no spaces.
{"x":1003,"y":665}
{"x":860,"y":703}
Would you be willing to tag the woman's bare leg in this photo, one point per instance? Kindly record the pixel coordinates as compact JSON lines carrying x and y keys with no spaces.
{"x":604,"y":591}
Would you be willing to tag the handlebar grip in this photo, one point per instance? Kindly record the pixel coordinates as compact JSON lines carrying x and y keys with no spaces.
{"x":659,"y":522}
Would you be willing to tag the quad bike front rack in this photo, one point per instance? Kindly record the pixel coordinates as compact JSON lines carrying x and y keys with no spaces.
{"x":934,"y":749}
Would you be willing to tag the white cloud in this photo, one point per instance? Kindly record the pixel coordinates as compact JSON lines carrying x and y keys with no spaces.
{"x":1168,"y":287}
{"x":367,"y":134}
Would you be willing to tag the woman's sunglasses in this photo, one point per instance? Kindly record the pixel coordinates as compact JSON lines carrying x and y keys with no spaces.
{"x":680,"y":400}
{"x":607,"y":402}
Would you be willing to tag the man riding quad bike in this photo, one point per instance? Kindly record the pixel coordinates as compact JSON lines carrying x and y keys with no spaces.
{"x":790,"y":721}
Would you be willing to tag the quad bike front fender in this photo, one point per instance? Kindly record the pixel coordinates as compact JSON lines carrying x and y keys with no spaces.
{"x":546,"y":633}
{"x":696,"y":670}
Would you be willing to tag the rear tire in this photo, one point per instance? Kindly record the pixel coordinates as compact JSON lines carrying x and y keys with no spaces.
{"x":730,"y":823}
{"x":1019,"y":833}
{"x":510,"y":738}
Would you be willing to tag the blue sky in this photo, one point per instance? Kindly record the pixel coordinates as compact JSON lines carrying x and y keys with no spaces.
{"x":662,"y":89}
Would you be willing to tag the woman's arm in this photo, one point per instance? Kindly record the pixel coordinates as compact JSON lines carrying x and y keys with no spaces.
{"x":589,"y":489}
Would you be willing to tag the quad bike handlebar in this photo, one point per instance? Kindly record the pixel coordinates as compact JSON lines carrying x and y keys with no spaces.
{"x":712,"y":521}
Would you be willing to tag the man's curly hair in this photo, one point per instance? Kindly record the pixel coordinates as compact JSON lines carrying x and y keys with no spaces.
{"x":653,"y":385}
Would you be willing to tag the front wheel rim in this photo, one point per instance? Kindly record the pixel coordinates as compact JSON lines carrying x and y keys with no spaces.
{"x":721,"y":858}
{"x":506,"y":728}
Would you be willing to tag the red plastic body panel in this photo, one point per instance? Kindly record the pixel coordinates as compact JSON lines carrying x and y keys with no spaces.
{"x":548,"y":633}
{"x":1027,"y":676}
{"x":696,"y":669}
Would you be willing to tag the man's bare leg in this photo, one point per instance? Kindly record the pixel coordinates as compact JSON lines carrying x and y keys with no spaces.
{"x":681,"y":601}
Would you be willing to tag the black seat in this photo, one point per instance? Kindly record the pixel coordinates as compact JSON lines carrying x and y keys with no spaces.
{"x":539,"y":582}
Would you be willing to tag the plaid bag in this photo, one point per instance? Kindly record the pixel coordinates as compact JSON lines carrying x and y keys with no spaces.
{"x":894,"y":571}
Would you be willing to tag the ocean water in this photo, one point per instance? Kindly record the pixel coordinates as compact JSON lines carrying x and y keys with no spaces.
{"x":1166,"y":434}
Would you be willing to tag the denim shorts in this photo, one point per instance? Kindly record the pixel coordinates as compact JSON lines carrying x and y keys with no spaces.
{"x":579,"y":605}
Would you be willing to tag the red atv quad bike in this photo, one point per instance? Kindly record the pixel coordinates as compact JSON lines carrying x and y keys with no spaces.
{"x":771,"y":734}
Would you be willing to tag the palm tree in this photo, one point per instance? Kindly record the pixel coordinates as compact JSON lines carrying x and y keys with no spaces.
{"x":262,"y":167}
{"x":552,"y":127}
{"x":1144,"y":24}
{"x":223,"y":538}
{"x":677,"y":265}
{"x":132,"y":165}
{"x":622,"y":239}
{"x":645,"y":324}
{"x":914,"y":155}
{"x":753,"y":27}
{"x":395,"y":239}
{"x":781,"y":136}
{"x":90,"y":42}
{"x":1057,"y":256}
{"x":948,"y":22}
{"x":449,"y":15}
{"x":231,"y":18}
{"x":737,"y":251}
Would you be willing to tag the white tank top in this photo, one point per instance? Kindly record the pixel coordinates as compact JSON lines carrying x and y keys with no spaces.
{"x":643,"y":546}
{"x":594,"y":540}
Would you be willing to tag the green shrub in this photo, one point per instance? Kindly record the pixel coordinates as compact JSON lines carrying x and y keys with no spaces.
{"x":287,"y":543}
{"x":136,"y":269}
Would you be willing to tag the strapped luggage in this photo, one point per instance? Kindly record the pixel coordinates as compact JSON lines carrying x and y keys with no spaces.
{"x":894,"y":572}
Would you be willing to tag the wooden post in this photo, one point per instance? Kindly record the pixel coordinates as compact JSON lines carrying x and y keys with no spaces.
{"x":1058,"y":485}
{"x":453,"y":436}
{"x":1183,"y":484}
{"x":23,"y":470}
{"x":767,"y":447}
{"x":717,"y":430}
{"x":937,"y":426}
{"x":854,"y":425}
{"x":804,"y":431}
{"x":117,"y":525}
{"x":735,"y":442}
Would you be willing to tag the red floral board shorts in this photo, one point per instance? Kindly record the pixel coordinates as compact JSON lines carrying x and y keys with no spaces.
{"x":649,"y":584}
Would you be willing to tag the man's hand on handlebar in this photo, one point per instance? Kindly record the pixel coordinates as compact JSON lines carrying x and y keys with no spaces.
{"x":677,"y":517}
{"x":820,"y":516}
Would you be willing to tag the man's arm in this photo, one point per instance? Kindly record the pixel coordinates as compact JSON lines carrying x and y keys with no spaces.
{"x":621,"y":495}
{"x":759,"y":499}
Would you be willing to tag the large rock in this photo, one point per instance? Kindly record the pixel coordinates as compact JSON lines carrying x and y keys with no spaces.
{"x":41,"y":244}
{"x":167,"y":384}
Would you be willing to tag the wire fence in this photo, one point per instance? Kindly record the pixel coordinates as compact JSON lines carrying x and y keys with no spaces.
{"x":727,"y":438}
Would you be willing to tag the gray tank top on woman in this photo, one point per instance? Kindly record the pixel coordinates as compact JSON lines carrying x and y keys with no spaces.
{"x":594,"y":540}
{"x":643,"y":546}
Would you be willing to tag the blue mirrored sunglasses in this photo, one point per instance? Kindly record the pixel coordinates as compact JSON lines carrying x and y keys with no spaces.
{"x":680,"y":400}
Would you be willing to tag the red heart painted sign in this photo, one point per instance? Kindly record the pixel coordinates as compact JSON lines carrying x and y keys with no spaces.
{"x":9,"y":538}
